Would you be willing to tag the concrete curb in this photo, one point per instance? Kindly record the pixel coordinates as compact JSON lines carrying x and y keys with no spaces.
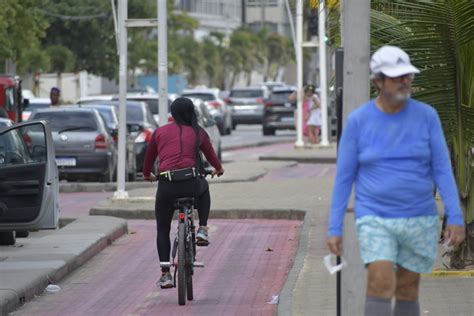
{"x":285,"y":305}
{"x":325,"y":160}
{"x":146,"y":213}
{"x":54,"y":270}
{"x":250,"y":145}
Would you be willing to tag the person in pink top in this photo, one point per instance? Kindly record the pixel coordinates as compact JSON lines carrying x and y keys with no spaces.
{"x":311,"y":113}
{"x":177,"y":146}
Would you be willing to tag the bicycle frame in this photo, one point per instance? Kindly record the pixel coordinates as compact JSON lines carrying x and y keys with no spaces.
{"x":185,"y":246}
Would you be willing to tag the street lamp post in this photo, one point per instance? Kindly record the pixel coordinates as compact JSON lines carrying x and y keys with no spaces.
{"x":299,"y":74}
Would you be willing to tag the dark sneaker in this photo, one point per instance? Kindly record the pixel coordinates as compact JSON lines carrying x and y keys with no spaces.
{"x":166,"y":281}
{"x":202,"y":239}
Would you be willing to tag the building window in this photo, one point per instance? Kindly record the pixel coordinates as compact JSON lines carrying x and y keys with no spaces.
{"x":258,"y":3}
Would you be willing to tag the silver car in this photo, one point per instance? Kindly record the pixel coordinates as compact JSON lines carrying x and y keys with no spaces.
{"x":84,"y":148}
{"x":219,"y":110}
{"x":247,"y":104}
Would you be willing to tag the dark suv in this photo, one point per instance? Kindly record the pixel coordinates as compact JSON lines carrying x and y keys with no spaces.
{"x":278,"y":112}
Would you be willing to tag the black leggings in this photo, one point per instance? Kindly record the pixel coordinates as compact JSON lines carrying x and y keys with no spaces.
{"x":165,"y":195}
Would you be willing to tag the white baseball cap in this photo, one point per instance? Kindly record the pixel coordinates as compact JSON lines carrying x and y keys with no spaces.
{"x":392,"y":61}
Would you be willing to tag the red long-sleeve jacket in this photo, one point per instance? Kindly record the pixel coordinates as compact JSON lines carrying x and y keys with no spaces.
{"x":165,"y":146}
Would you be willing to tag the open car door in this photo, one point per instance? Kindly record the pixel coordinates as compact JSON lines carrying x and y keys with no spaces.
{"x":29,"y":187}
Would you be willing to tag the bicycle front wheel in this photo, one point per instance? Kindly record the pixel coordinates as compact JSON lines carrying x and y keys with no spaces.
{"x":181,"y":264}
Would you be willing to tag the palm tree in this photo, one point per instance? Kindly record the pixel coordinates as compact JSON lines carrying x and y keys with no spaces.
{"x":439,"y":37}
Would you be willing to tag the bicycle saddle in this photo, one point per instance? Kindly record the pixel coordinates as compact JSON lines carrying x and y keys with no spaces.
{"x":187,"y":201}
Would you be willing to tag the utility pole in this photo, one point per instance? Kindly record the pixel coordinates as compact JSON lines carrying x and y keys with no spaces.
{"x":299,"y":74}
{"x":323,"y":73}
{"x":122,"y":24}
{"x":162,"y":62}
{"x":356,"y":34}
{"x":122,"y":27}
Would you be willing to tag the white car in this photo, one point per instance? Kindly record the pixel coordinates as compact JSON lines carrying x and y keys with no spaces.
{"x":29,"y":187}
{"x":217,"y":107}
{"x":32,"y":105}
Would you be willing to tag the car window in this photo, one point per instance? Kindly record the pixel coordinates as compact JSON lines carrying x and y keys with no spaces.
{"x":281,"y":95}
{"x":23,"y":146}
{"x":71,"y":120}
{"x":134,"y":113}
{"x":107,"y":115}
{"x":202,"y":96}
{"x":246,"y":93}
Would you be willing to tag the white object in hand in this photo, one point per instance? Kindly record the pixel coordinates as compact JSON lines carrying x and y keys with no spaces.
{"x":333,"y":268}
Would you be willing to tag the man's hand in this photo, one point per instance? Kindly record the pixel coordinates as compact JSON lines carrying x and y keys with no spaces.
{"x":454,"y":234}
{"x":218,"y":173}
{"x":335,"y":245}
{"x":151,"y":178}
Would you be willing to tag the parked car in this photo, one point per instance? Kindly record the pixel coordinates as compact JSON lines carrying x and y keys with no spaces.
{"x":110,"y":115}
{"x":4,"y":122}
{"x":219,"y":110}
{"x":278,"y":111}
{"x":247,"y":104}
{"x":83,"y":146}
{"x":273,"y":84}
{"x":33,"y":104}
{"x":141,"y":125}
{"x":29,"y":189}
{"x":152,"y":100}
{"x":206,"y":121}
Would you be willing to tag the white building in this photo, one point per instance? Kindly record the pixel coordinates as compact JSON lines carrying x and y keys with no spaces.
{"x":213,"y":15}
{"x":271,"y":13}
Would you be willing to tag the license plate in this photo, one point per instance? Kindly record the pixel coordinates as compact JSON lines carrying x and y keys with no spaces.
{"x":66,"y":162}
{"x":287,"y":119}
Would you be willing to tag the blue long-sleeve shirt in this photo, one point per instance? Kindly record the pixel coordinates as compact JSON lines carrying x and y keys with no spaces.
{"x":395,"y":162}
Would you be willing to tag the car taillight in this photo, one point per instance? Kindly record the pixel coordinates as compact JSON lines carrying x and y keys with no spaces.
{"x":227,"y":101}
{"x":268,"y":104}
{"x":260,"y":100}
{"x":214,"y":104}
{"x":100,"y":142}
{"x":144,"y":136}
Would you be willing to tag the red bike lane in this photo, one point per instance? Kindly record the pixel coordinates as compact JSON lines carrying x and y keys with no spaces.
{"x":246,"y":263}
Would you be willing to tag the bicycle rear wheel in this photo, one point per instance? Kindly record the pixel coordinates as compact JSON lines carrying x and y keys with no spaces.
{"x":181,"y":264}
{"x":189,"y":271}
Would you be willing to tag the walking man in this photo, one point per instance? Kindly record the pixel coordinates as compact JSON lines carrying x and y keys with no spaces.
{"x":393,"y":150}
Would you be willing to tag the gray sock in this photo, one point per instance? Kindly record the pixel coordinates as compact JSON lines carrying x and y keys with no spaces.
{"x":378,"y":306}
{"x":406,"y":308}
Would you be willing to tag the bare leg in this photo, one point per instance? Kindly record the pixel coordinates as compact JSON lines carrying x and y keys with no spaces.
{"x":406,"y":293}
{"x":380,"y":288}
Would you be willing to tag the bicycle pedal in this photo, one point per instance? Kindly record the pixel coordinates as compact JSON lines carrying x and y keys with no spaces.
{"x":202,"y":243}
{"x":198,"y":264}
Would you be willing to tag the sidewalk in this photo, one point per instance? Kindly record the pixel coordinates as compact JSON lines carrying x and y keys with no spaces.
{"x":309,"y":289}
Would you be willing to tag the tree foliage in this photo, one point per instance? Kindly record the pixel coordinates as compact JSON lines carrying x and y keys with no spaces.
{"x":21,"y":27}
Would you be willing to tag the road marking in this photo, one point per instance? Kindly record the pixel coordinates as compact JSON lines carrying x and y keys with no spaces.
{"x":448,"y":274}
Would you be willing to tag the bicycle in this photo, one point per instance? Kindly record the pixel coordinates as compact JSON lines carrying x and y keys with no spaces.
{"x":185,"y":246}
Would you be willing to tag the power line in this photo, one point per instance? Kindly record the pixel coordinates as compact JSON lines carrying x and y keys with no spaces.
{"x":73,"y":17}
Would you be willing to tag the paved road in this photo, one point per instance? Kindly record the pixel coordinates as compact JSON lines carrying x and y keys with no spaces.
{"x":240,"y":276}
{"x":250,"y":134}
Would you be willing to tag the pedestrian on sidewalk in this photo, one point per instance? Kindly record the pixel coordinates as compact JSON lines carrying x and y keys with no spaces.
{"x":177,"y":146}
{"x":311,"y":113}
{"x":55,"y":96}
{"x":393,"y":150}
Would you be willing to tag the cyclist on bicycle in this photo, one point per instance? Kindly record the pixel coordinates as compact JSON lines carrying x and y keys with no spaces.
{"x":177,"y":148}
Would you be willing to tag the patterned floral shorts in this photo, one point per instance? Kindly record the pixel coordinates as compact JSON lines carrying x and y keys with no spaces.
{"x":411,"y":243}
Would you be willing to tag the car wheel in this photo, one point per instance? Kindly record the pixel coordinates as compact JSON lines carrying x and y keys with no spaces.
{"x":132,"y":176}
{"x":268,"y":131}
{"x":22,"y":234}
{"x":7,"y":238}
{"x":234,"y":126}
